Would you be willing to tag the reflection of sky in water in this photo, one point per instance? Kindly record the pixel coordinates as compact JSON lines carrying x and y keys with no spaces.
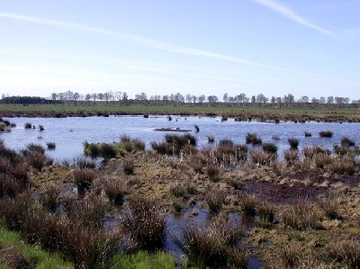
{"x":70,"y":133}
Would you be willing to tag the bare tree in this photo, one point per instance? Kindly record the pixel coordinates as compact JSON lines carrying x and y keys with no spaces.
{"x":201,"y":98}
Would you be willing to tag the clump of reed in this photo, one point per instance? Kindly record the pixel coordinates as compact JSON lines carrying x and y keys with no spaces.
{"x":266,"y":214}
{"x":213,"y":172}
{"x":49,"y":198}
{"x":107,"y":151}
{"x":269,"y":148}
{"x":294,"y":143}
{"x":330,"y":206}
{"x":309,"y":152}
{"x":248,"y":205}
{"x":290,"y":256}
{"x":51,"y":145}
{"x":211,"y":139}
{"x":214,"y":246}
{"x":35,"y":156}
{"x":308,"y":134}
{"x":291,"y":157}
{"x":347,"y":142}
{"x":344,"y":165}
{"x":301,"y":216}
{"x":115,"y":189}
{"x":322,"y":160}
{"x":91,"y":149}
{"x":326,"y":133}
{"x":215,"y":200}
{"x":184,"y":190}
{"x":253,"y":138}
{"x":28,"y":125}
{"x":129,"y":144}
{"x":83,"y":179}
{"x":173,"y":144}
{"x":259,"y":157}
{"x":347,"y":252}
{"x":84,"y":162}
{"x":144,"y":224}
{"x":128,"y":166}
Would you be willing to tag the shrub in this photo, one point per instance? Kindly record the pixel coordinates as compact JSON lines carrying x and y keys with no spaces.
{"x":322,"y":160}
{"x":248,"y":205}
{"x":266,"y":214}
{"x":115,"y":190}
{"x":252,"y":138}
{"x":211,"y":139}
{"x":327,"y":133}
{"x":213,"y":246}
{"x":290,"y":256}
{"x":91,"y":149}
{"x":294,"y":143}
{"x":49,"y":198}
{"x":83,"y":162}
{"x":215,"y":200}
{"x":107,"y":151}
{"x":51,"y":145}
{"x":213,"y":172}
{"x":162,"y":147}
{"x":260,"y":157}
{"x":330,"y":206}
{"x":346,"y":252}
{"x":83,"y":179}
{"x":144,"y":224}
{"x":291,"y":157}
{"x":269,"y":148}
{"x":301,"y":216}
{"x":128,"y":166}
{"x":347,"y":142}
{"x":310,"y":151}
{"x":28,"y":125}
{"x":345,"y":165}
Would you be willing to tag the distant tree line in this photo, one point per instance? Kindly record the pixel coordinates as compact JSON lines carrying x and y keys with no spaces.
{"x":122,"y":98}
{"x":25,"y":100}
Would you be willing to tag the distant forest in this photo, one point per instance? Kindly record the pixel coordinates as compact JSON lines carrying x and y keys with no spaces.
{"x":27,"y":100}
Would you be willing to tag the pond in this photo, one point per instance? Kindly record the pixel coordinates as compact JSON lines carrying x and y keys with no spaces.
{"x":70,"y":133}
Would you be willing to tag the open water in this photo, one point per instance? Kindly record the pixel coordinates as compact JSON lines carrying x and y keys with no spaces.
{"x":69,"y":134}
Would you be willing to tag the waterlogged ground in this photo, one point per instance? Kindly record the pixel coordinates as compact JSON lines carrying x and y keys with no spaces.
{"x":278,"y":186}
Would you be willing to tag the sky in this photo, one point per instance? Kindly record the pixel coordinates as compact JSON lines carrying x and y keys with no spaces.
{"x":162,"y":47}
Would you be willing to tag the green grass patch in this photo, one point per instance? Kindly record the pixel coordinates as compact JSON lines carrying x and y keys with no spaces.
{"x":144,"y":260}
{"x":40,"y":258}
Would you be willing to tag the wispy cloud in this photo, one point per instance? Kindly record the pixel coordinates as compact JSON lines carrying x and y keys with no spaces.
{"x":287,"y":12}
{"x":153,"y":43}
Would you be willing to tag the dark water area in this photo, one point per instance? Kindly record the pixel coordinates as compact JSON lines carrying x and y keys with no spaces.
{"x":69,"y":134}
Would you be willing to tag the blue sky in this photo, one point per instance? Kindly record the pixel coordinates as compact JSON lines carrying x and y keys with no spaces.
{"x":199,"y":47}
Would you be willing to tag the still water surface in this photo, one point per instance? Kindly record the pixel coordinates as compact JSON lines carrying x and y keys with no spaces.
{"x":69,"y":134}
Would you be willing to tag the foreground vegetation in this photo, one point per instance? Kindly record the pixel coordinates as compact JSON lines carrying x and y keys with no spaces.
{"x":301,"y":211}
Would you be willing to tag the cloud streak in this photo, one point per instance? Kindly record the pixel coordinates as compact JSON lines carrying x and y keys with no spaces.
{"x":287,"y":12}
{"x":148,"y":42}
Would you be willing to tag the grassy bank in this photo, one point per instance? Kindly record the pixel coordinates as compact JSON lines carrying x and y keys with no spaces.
{"x":241,"y":113}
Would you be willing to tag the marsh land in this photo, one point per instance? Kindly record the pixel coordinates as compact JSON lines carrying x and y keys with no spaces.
{"x":222,"y":202}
